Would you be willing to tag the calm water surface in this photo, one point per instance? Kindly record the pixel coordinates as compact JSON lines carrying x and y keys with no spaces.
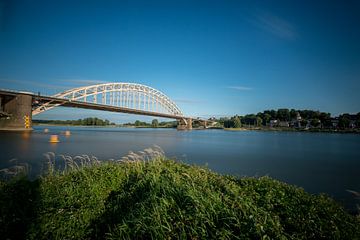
{"x":318,"y":162}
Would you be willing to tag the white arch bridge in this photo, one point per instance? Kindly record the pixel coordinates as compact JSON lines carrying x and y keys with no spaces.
{"x":130,"y":98}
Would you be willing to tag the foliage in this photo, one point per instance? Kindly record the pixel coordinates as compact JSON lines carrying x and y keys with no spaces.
{"x":237,"y":122}
{"x":315,"y":122}
{"x":155,"y":123}
{"x":258,"y":121}
{"x":163,"y":199}
{"x":91,"y":121}
{"x":304,"y":123}
{"x":249,"y":119}
{"x":295,"y":118}
{"x":283,"y":114}
{"x":228,"y":123}
{"x":344,"y":121}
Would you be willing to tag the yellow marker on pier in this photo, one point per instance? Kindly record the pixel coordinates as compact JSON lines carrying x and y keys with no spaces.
{"x":27,"y":123}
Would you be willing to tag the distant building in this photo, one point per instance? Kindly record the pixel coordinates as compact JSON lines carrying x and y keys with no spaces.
{"x":296,"y":122}
{"x":277,"y":123}
{"x":283,"y":124}
{"x":353,"y":119}
{"x":274,"y":123}
{"x":335,"y":122}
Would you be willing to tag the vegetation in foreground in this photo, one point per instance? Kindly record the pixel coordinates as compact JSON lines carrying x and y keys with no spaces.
{"x":164,"y":199}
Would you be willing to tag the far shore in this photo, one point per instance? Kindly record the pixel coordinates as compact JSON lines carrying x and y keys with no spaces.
{"x":284,"y":129}
{"x":70,"y":125}
{"x":265,"y":129}
{"x":98,"y":126}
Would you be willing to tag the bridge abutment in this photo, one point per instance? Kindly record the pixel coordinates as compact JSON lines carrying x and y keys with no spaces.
{"x":184,"y":124}
{"x":16,"y":113}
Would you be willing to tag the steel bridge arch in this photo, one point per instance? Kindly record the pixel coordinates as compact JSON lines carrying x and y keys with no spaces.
{"x":127,"y":95}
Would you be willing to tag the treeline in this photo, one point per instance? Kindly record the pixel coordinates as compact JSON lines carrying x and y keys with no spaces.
{"x":91,"y":121}
{"x":154,"y":123}
{"x":292,"y":118}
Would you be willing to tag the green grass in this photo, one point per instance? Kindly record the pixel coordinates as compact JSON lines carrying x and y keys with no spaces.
{"x":164,"y":199}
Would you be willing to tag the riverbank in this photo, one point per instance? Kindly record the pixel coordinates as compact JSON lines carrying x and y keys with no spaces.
{"x":265,"y":129}
{"x":162,"y":199}
{"x":71,"y":125}
{"x":284,"y":129}
{"x":105,"y":126}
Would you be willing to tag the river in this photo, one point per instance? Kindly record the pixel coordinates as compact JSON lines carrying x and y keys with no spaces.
{"x":318,"y":162}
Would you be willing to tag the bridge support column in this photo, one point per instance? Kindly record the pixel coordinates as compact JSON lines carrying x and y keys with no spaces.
{"x":184,"y":124}
{"x":204,"y":124}
{"x":16,"y":113}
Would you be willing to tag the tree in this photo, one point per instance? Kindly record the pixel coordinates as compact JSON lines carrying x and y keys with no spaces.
{"x":325,"y":119}
{"x":228,"y":123}
{"x":358,"y":120}
{"x":283,"y":114}
{"x":88,"y":121}
{"x":303,"y":123}
{"x":293,"y":114}
{"x":315,"y":114}
{"x":272,"y":114}
{"x":155,"y":123}
{"x":237,"y":122}
{"x":249,"y":119}
{"x":260,"y":114}
{"x":78,"y":122}
{"x":315,"y":122}
{"x":258,"y":121}
{"x":137,"y":123}
{"x":267,"y":118}
{"x":99,"y":122}
{"x":221,"y":120}
{"x":344,"y":121}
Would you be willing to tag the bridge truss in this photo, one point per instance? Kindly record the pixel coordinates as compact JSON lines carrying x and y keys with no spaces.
{"x":125,"y":95}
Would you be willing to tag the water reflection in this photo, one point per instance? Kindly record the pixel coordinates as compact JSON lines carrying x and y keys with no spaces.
{"x":26,"y":135}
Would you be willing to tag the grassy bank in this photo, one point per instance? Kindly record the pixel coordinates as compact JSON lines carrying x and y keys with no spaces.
{"x":163,"y":199}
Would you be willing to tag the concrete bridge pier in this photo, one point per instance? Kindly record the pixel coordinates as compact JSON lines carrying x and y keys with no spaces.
{"x":15,"y":112}
{"x":204,"y":123}
{"x":184,"y":124}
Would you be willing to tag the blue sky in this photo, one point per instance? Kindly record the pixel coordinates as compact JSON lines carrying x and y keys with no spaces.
{"x":213,"y":58}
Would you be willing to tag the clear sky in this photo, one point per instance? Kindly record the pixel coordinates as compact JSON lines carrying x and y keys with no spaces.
{"x":212,"y":58}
